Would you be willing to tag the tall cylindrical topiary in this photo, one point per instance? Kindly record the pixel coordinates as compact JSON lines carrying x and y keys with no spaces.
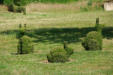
{"x":25,"y":45}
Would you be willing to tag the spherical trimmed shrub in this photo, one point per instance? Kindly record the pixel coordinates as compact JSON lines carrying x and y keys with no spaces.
{"x":25,"y":45}
{"x":57,"y":55}
{"x":93,"y":41}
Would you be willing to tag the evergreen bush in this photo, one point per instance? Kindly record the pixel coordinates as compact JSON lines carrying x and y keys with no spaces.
{"x":25,"y":45}
{"x":93,"y":41}
{"x":57,"y":55}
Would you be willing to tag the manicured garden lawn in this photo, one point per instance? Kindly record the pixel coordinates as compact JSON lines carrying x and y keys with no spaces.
{"x":48,"y":30}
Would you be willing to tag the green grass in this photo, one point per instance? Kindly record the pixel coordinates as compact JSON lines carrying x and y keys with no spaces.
{"x":48,"y":30}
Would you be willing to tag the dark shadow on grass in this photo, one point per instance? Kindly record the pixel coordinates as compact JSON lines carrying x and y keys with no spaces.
{"x":58,"y":35}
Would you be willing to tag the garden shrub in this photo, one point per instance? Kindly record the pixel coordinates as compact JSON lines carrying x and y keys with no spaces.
{"x":25,"y":45}
{"x":93,"y":41}
{"x":19,"y":9}
{"x":57,"y":55}
{"x":68,"y":50}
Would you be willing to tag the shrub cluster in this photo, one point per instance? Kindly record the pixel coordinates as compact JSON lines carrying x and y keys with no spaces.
{"x":93,"y":41}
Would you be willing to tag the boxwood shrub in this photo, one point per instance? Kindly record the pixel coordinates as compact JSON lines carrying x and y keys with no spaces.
{"x":57,"y":55}
{"x":25,"y":45}
{"x":93,"y":41}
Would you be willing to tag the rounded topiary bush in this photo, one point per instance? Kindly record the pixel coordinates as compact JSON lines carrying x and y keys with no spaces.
{"x":68,"y":50}
{"x":93,"y":41}
{"x":57,"y":55}
{"x":25,"y":45}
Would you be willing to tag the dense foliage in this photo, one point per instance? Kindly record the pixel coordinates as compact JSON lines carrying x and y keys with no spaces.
{"x":57,"y":55}
{"x":93,"y":41}
{"x":25,"y":45}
